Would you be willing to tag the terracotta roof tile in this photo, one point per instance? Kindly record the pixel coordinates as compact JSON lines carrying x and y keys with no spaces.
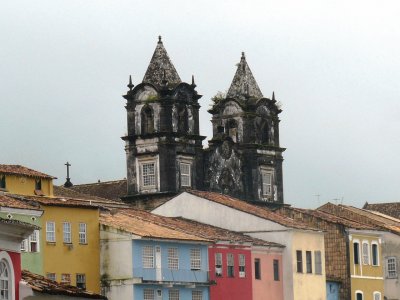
{"x":19,"y":223}
{"x":258,"y":211}
{"x":43,"y":285}
{"x":112,"y":190}
{"x":145,"y":228}
{"x":7,"y":201}
{"x":63,"y":192}
{"x":206,"y":231}
{"x":391,"y":209}
{"x":21,"y":170}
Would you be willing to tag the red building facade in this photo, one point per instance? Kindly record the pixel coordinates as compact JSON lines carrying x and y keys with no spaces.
{"x":231,"y":270}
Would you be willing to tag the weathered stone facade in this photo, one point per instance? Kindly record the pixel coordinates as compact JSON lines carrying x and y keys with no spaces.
{"x":164,"y":146}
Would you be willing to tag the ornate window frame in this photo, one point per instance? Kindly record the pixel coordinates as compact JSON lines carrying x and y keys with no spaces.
{"x":6,"y":258}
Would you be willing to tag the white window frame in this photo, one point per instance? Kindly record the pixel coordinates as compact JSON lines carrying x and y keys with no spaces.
{"x":230,"y":265}
{"x":81,"y":278}
{"x":366,"y":256}
{"x":218,"y":264}
{"x":242,"y":266}
{"x":394,"y":264}
{"x":185,"y":177}
{"x":24,"y":245}
{"x":197,"y":295}
{"x":173,"y":294}
{"x":65,"y":276}
{"x":267,"y":188}
{"x":51,"y":276}
{"x":173,"y":258}
{"x":148,"y":294}
{"x":375,"y":294}
{"x":51,"y":233}
{"x":140,"y":162}
{"x":377,"y":254}
{"x":6,"y":259}
{"x":34,"y":238}
{"x":148,"y":257}
{"x":195,"y":259}
{"x":82,"y":233}
{"x":67,"y":233}
{"x":359,"y":292}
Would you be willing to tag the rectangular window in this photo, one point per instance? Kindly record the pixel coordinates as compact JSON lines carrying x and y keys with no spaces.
{"x":24,"y":245}
{"x":185,"y":174}
{"x":391,"y":267}
{"x":2,"y":181}
{"x":67,"y":232}
{"x":276,"y":270}
{"x":318,"y":262}
{"x":38,"y":184}
{"x":359,"y":296}
{"x":257,"y":269}
{"x":173,"y":295}
{"x":51,"y":232}
{"x":266,"y":177}
{"x":82,"y":233}
{"x":66,"y":279}
{"x":148,"y":257}
{"x":173,"y":261}
{"x":195,"y":259}
{"x":149,"y":174}
{"x":51,"y":276}
{"x":299,"y":257}
{"x":308,"y":262}
{"x":33,"y":241}
{"x":356,"y":253}
{"x":81,"y":281}
{"x":218,"y":264}
{"x":242,"y":266}
{"x":377,"y":296}
{"x":375,"y":254}
{"x":148,"y":294}
{"x":365,"y":253}
{"x":197,"y":295}
{"x":230,"y":265}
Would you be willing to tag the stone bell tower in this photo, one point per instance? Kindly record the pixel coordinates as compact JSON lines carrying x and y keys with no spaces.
{"x":163,"y":144}
{"x":244,"y":158}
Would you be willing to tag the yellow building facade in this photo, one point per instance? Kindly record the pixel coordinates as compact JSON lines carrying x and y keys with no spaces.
{"x":71,"y":245}
{"x":21,"y":180}
{"x":366,"y":266}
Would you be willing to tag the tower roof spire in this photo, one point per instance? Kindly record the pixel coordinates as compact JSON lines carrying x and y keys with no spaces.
{"x":243,"y":83}
{"x":160,"y":63}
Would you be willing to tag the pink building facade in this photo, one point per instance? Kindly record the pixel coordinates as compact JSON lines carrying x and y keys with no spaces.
{"x":267,"y":276}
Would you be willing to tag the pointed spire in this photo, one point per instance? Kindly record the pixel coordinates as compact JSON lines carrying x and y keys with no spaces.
{"x":243,"y":83}
{"x":160,"y":63}
{"x":193,"y":84}
{"x":130,"y":85}
{"x":273,"y":96}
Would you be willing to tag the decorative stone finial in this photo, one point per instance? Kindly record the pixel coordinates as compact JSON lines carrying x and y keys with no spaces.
{"x":243,"y":55}
{"x":130,"y":84}
{"x":68,"y":183}
{"x":193,"y":84}
{"x":273,"y":96}
{"x":159,"y":39}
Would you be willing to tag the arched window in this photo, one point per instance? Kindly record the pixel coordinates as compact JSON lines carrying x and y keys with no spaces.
{"x":6,"y":284}
{"x":182,"y":119}
{"x":232,"y":130}
{"x":147,"y":120}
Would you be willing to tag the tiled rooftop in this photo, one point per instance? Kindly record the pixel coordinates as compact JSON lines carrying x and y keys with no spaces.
{"x":390,"y":209}
{"x":21,"y":170}
{"x":129,"y":222}
{"x":18,"y":223}
{"x":41,"y":284}
{"x":8,"y":201}
{"x":252,"y":209}
{"x":112,"y":190}
{"x":205,"y":231}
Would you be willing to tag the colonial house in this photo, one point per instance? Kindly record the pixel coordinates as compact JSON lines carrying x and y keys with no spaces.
{"x":343,"y":272}
{"x":303,"y":255}
{"x":385,"y":262}
{"x":141,"y":259}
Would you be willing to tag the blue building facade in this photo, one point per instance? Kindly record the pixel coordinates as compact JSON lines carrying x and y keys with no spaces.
{"x":170,"y":270}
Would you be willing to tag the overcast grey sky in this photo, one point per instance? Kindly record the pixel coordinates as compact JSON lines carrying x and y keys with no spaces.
{"x":334,"y":65}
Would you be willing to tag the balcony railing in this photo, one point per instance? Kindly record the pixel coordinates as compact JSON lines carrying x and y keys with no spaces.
{"x":168,"y":275}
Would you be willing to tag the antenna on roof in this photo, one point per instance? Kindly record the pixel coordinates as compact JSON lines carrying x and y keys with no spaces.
{"x":68,"y":183}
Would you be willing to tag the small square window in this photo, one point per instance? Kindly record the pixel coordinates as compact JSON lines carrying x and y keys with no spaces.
{"x":66,"y":279}
{"x":173,"y":295}
{"x":197,"y":295}
{"x":148,"y":294}
{"x":51,"y":276}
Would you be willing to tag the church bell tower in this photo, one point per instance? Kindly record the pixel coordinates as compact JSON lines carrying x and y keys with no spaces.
{"x":163,"y":144}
